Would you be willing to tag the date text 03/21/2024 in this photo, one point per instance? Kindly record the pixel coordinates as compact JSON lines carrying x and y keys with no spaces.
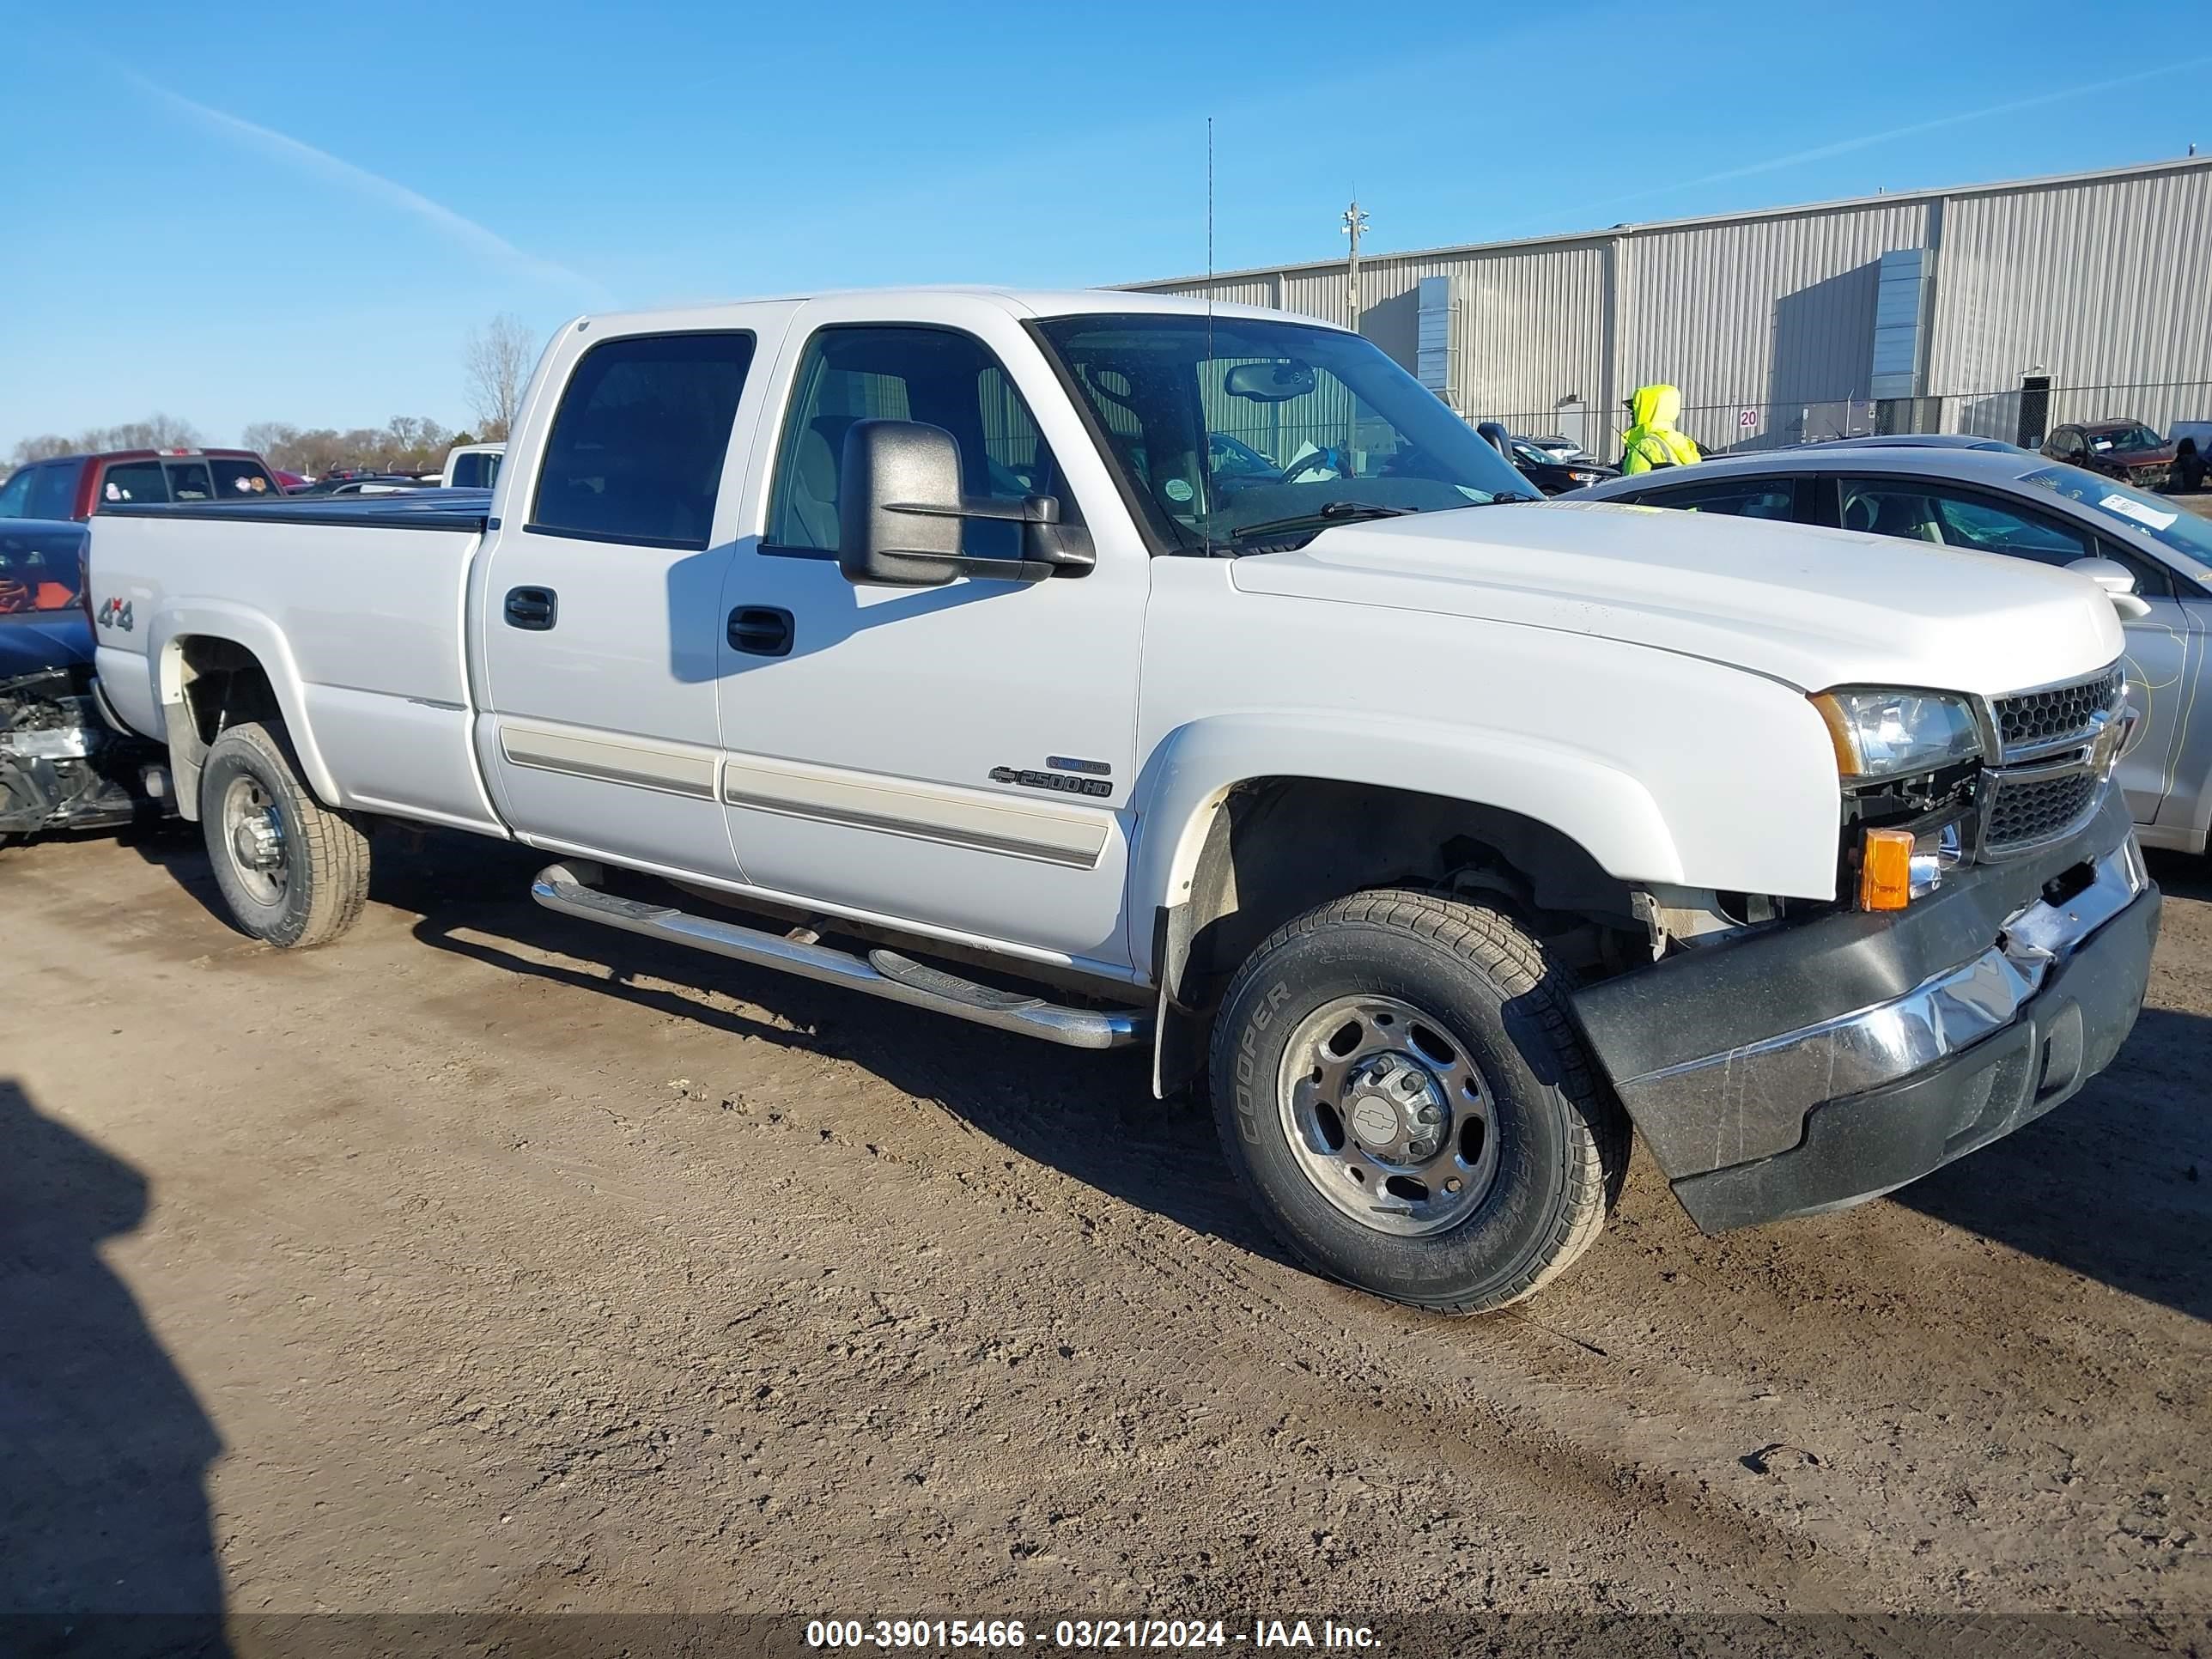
{"x":1084,"y":1633}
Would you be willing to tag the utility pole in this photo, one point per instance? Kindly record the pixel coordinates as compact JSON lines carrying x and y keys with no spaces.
{"x":1355,"y":224}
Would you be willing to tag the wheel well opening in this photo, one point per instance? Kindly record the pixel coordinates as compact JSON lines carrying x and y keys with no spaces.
{"x":222,"y":685}
{"x":212,"y":684}
{"x":1277,"y":847}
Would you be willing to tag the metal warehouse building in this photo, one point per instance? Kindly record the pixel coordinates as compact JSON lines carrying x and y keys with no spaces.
{"x":2003,"y":309}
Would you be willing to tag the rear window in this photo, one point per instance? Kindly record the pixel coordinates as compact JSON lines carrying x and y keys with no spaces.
{"x":242,"y":480}
{"x":189,"y":481}
{"x":635,"y":453}
{"x":477,"y":472}
{"x":39,"y":570}
{"x":133,"y":481}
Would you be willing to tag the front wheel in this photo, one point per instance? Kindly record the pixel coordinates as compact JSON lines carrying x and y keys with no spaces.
{"x":294,"y":871}
{"x":1400,"y":1086}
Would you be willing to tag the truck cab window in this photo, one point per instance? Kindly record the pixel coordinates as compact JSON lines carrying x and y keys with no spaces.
{"x":636,"y":447}
{"x":933,"y":376}
{"x":133,"y":481}
{"x":53,"y":490}
{"x":236,"y":480}
{"x":189,"y":481}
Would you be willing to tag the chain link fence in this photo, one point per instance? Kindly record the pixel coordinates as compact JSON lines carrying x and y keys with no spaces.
{"x":2025,"y":415}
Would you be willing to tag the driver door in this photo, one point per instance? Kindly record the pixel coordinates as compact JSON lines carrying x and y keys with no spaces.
{"x":959,"y":757}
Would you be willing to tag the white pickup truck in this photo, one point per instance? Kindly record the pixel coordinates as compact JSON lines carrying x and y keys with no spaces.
{"x":1115,"y":670}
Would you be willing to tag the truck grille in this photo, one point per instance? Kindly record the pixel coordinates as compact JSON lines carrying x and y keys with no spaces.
{"x":2022,"y":813}
{"x":2033,"y":717}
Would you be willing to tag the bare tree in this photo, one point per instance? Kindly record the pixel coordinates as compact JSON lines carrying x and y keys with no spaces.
{"x":44,"y":447}
{"x":496,"y":367}
{"x":271,"y":440}
{"x":156,"y":431}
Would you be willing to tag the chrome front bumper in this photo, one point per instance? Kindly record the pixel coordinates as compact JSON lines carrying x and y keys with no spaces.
{"x":1751,"y":1101}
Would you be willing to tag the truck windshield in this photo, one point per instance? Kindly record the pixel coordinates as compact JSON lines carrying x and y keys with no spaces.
{"x":1234,"y":434}
{"x":2126,"y":440}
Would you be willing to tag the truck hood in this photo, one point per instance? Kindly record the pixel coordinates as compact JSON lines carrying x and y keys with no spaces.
{"x":54,"y":639}
{"x":1813,"y":608}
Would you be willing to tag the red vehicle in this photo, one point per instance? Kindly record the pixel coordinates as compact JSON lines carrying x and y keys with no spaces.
{"x":77,"y":486}
{"x":2126,"y":450}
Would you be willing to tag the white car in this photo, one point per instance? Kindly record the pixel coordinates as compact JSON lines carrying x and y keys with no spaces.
{"x":1448,"y":834}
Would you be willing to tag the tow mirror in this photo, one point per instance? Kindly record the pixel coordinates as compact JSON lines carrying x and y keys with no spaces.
{"x":2119,"y":583}
{"x":900,"y":510}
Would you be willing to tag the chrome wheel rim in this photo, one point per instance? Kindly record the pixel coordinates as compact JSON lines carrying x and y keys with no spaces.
{"x":253,"y":832}
{"x":1388,"y":1115}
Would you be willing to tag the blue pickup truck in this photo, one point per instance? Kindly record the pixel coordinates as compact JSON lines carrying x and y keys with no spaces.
{"x":63,"y":766}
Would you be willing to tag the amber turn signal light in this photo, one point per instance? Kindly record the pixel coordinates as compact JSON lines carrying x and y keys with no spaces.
{"x":1885,"y":870}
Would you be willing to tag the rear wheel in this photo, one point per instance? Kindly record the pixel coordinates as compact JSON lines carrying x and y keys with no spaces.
{"x":294,"y":871}
{"x":1400,"y":1086}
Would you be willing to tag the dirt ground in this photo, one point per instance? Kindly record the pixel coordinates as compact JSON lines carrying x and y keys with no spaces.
{"x":449,"y":1267}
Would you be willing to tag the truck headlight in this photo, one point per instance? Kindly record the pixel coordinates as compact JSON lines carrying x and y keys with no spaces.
{"x":1879,"y":733}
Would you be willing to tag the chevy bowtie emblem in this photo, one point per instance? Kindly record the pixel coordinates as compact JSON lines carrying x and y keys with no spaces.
{"x":115,"y":613}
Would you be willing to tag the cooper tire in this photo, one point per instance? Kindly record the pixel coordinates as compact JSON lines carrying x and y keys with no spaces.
{"x":252,"y":801}
{"x":1469,"y":998}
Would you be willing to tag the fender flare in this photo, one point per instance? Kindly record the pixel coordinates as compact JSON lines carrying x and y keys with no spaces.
{"x":1610,"y":814}
{"x":250,"y":631}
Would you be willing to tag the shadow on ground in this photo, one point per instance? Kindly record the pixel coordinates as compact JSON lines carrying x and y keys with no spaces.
{"x":2116,"y":1184}
{"x":1092,"y":1116}
{"x":104,"y":1449}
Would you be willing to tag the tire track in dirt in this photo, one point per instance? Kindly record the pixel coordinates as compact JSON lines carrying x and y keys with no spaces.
{"x":1017,"y":1334}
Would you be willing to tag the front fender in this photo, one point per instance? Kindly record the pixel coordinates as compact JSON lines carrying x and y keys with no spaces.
{"x":1611,"y":815}
{"x":250,"y":630}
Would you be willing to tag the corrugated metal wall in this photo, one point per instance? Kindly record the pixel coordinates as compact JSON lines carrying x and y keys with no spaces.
{"x":1774,"y":314}
{"x":2102,"y":284}
{"x":2101,"y":280}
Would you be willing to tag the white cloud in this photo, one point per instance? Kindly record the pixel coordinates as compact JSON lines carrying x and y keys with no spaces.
{"x":487,"y":245}
{"x":1869,"y":140}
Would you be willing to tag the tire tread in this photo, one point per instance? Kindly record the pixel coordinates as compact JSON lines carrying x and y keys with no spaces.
{"x":329,"y":845}
{"x":1522,"y":967}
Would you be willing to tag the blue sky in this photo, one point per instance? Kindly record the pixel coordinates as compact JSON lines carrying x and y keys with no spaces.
{"x":261,"y":212}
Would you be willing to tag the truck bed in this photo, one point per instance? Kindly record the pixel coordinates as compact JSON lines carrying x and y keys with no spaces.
{"x":356,"y":608}
{"x":419,"y":509}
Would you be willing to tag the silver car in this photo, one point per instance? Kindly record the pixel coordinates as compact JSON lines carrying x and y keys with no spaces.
{"x":2153,"y":556}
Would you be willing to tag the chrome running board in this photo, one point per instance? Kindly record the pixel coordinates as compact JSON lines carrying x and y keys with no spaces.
{"x":572,"y":889}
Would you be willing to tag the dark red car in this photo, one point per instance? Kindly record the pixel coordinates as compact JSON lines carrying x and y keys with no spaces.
{"x":2126,"y":450}
{"x":77,"y":486}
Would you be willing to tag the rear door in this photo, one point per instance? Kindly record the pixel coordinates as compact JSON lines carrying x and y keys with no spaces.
{"x":599,"y":612}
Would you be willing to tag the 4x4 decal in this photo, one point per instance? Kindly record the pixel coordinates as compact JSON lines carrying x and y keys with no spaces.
{"x":115,"y":613}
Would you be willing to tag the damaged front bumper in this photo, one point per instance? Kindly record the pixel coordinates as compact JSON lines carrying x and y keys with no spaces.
{"x":61,"y":765}
{"x":1805,"y":1068}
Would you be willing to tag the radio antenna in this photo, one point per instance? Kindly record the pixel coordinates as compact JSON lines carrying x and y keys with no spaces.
{"x":1205,"y":518}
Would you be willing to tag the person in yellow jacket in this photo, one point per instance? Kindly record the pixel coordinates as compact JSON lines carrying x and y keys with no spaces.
{"x":1653,"y":440}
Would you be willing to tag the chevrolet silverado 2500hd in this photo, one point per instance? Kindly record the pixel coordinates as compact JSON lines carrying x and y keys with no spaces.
{"x":925,"y":643}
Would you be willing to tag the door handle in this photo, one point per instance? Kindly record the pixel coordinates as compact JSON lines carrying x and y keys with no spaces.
{"x":534,"y":608}
{"x":761,"y":631}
